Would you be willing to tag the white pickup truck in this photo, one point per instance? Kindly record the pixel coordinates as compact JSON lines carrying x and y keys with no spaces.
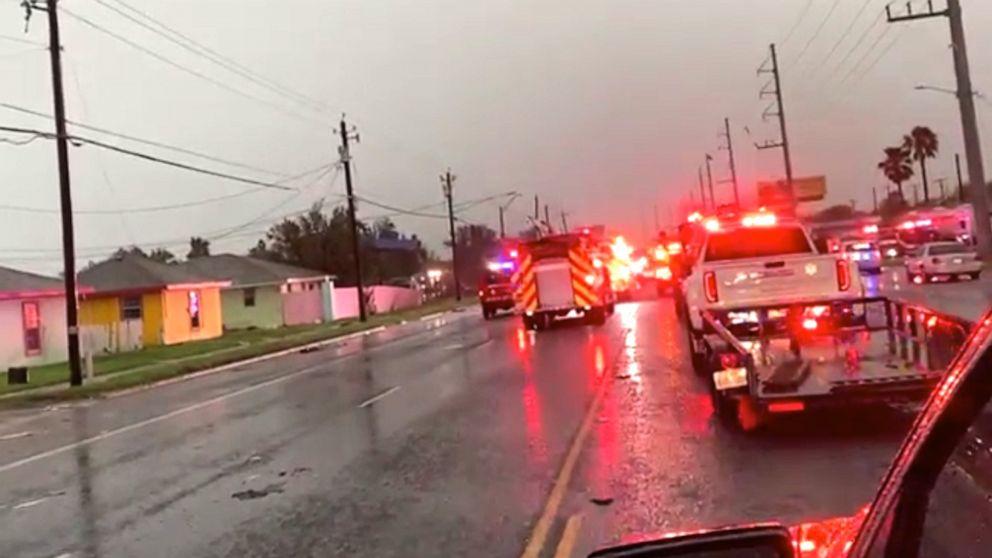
{"x":762,"y":265}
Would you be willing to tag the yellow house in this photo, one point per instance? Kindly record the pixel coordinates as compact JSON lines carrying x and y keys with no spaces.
{"x":136,"y":301}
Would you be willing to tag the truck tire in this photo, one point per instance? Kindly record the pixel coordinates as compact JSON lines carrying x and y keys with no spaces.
{"x":727,"y":410}
{"x":530,"y":323}
{"x":487,"y":312}
{"x":699,"y":362}
{"x":596,"y":316}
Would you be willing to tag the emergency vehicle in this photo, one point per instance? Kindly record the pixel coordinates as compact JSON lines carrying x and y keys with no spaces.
{"x":562,"y":276}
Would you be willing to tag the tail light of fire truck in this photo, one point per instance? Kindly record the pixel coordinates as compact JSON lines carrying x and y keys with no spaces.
{"x":663,"y":273}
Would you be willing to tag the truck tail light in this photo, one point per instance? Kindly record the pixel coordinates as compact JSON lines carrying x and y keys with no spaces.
{"x":843,"y":276}
{"x":729,"y":360}
{"x":709,"y":287}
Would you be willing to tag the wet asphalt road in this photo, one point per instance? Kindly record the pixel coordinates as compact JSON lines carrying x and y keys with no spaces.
{"x":437,"y":438}
{"x":965,"y":298}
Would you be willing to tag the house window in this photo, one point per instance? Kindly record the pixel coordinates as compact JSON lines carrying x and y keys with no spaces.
{"x":193,"y":305}
{"x":31,"y":323}
{"x":249,"y":297}
{"x":130,"y":308}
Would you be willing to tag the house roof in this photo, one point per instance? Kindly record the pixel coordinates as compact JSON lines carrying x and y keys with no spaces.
{"x":132,"y":272}
{"x":16,"y":284}
{"x":244,"y":270}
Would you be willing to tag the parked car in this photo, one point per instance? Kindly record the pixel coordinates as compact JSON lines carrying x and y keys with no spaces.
{"x":935,"y":500}
{"x":943,"y":259}
{"x":865,"y":255}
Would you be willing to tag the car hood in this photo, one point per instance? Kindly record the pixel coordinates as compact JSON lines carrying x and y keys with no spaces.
{"x":824,"y":538}
{"x":827,"y":538}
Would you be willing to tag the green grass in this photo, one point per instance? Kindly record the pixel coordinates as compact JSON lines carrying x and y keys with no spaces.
{"x":130,"y":369}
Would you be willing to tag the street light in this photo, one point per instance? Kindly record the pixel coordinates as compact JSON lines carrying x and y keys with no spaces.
{"x":502,"y":208}
{"x":977,"y":94}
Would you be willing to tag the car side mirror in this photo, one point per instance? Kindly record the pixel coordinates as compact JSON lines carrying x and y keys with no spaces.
{"x":761,"y":541}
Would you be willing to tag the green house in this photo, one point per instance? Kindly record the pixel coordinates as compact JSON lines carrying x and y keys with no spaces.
{"x":265,"y":294}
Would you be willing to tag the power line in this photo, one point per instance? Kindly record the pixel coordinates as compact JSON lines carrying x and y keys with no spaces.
{"x":857,"y":65}
{"x":875,"y":62}
{"x":79,"y":140}
{"x":844,"y":35}
{"x":21,"y":40}
{"x":795,"y":26}
{"x":216,"y":234}
{"x":823,"y":23}
{"x":144,"y":141}
{"x":170,"y":34}
{"x":184,"y":69}
{"x":857,"y":44}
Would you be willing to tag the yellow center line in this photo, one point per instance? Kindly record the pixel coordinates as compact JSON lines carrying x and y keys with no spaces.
{"x":540,"y":533}
{"x":568,"y":537}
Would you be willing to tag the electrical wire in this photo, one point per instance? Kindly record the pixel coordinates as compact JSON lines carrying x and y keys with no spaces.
{"x":857,"y":44}
{"x":184,"y":69}
{"x":845,"y":34}
{"x":217,"y":234}
{"x":813,"y":37}
{"x":878,"y":59}
{"x":144,"y":141}
{"x":799,"y":20}
{"x":865,"y":56}
{"x":79,"y":140}
{"x":22,"y":41}
{"x":170,"y":34}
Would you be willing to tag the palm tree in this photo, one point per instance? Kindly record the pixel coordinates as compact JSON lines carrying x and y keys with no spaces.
{"x":896,"y":166}
{"x":922,"y":144}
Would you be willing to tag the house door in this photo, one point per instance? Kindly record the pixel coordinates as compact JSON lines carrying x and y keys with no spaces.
{"x":31,"y":323}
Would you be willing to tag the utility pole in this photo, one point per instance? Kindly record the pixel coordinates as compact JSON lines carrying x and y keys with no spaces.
{"x":780,"y":114}
{"x":874,"y":198}
{"x":709,"y":179}
{"x":502,"y":227}
{"x":702,"y":189}
{"x":564,"y":222}
{"x":345,"y":156}
{"x":446,"y":180}
{"x":957,"y":165}
{"x":537,"y":210}
{"x":978,"y":190}
{"x":547,"y":216}
{"x":733,"y":166}
{"x":65,"y":192}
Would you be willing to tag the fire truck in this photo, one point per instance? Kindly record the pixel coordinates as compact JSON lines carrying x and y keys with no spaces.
{"x":562,"y":277}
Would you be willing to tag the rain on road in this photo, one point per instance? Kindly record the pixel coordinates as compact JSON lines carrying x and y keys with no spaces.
{"x":442,"y":437}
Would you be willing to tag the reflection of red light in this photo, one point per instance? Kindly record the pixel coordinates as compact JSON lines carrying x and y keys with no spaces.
{"x":521,"y":340}
{"x":600,"y":360}
{"x":537,"y":448}
{"x":786,"y":407}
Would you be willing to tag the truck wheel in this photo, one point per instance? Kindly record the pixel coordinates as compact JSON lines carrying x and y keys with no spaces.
{"x":974,"y":276}
{"x":487,"y":313}
{"x":699,"y":363}
{"x":530,"y":323}
{"x":727,"y":410}
{"x":596,"y":316}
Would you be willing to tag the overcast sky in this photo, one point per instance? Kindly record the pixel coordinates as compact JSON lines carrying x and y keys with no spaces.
{"x":603,"y":108}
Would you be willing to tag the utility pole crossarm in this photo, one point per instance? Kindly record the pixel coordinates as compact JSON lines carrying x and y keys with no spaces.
{"x":910,"y":16}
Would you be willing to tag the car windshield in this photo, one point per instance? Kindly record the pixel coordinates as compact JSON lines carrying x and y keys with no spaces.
{"x":289,"y":278}
{"x":945,"y":249}
{"x":757,"y":242}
